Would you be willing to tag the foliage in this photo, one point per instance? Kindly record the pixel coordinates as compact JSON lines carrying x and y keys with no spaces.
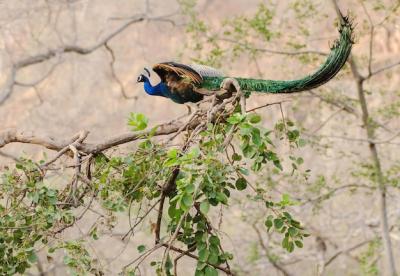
{"x":232,"y":40}
{"x":206,"y":180}
{"x":369,"y":258}
{"x":29,"y":213}
{"x":209,"y":174}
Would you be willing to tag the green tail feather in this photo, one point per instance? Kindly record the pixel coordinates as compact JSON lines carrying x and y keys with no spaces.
{"x":335,"y":61}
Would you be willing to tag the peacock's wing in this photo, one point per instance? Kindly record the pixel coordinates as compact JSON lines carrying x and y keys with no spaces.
{"x":183,"y":81}
{"x":176,"y":71}
{"x":206,"y":71}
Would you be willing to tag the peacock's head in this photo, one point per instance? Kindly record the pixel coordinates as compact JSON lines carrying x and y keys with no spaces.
{"x":142,"y":77}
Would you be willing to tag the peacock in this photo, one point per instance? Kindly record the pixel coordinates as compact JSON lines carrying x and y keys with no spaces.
{"x":186,"y":83}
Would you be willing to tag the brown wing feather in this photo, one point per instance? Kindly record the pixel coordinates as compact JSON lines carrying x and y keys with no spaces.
{"x":181,"y":70}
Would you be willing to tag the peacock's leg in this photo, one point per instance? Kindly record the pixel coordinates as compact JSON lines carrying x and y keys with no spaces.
{"x":189,"y":108}
{"x":203,"y":91}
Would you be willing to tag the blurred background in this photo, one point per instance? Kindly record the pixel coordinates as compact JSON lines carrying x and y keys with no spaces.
{"x":71,"y":65}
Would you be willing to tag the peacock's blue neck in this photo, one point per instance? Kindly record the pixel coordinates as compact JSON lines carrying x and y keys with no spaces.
{"x":162,"y":90}
{"x":156,"y":90}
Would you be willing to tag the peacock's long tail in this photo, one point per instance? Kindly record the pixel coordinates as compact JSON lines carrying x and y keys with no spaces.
{"x":340,"y":51}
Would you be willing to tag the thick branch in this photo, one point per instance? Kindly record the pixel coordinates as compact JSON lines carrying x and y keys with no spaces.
{"x":52,"y":143}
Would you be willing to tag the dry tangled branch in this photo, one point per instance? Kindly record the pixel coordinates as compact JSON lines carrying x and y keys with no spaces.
{"x":65,"y":49}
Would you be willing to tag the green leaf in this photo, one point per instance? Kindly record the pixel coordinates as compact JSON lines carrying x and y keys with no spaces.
{"x":235,"y":118}
{"x":204,"y":207}
{"x":34,"y":196}
{"x":302,"y":142}
{"x":213,"y":258}
{"x":93,"y":233}
{"x":173,"y":153}
{"x":141,"y":248}
{"x":187,"y":200}
{"x":290,"y":246}
{"x":221,"y":197}
{"x":287,"y":215}
{"x":278,"y":164}
{"x":285,"y":242}
{"x":268,"y":223}
{"x":210,"y":271}
{"x":32,"y":257}
{"x":285,"y":199}
{"x":190,"y":188}
{"x":293,"y":231}
{"x":198,"y":273}
{"x":278,"y":223}
{"x":254,"y":118}
{"x":244,"y":171}
{"x":203,"y":255}
{"x":299,"y":161}
{"x":137,"y":121}
{"x":256,"y":137}
{"x":241,"y":184}
{"x":214,"y":240}
{"x":193,"y":154}
{"x":299,"y":244}
{"x":226,"y":256}
{"x":236,"y":157}
{"x":201,"y":265}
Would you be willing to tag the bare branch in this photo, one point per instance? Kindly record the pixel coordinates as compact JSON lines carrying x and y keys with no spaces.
{"x":51,"y":143}
{"x":330,"y":117}
{"x":371,"y":37}
{"x":383,"y":69}
{"x":9,"y":85}
{"x":38,"y":81}
{"x":334,"y":190}
{"x":272,"y":51}
{"x":71,"y":49}
{"x":266,"y":250}
{"x":113,"y":73}
{"x":346,"y":250}
{"x":78,"y":49}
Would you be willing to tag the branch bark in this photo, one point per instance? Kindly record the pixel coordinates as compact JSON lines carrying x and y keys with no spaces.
{"x":52,"y":143}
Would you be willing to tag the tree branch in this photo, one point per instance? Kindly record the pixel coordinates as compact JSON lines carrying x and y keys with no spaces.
{"x":52,"y":143}
{"x":71,"y":49}
{"x":379,"y":178}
